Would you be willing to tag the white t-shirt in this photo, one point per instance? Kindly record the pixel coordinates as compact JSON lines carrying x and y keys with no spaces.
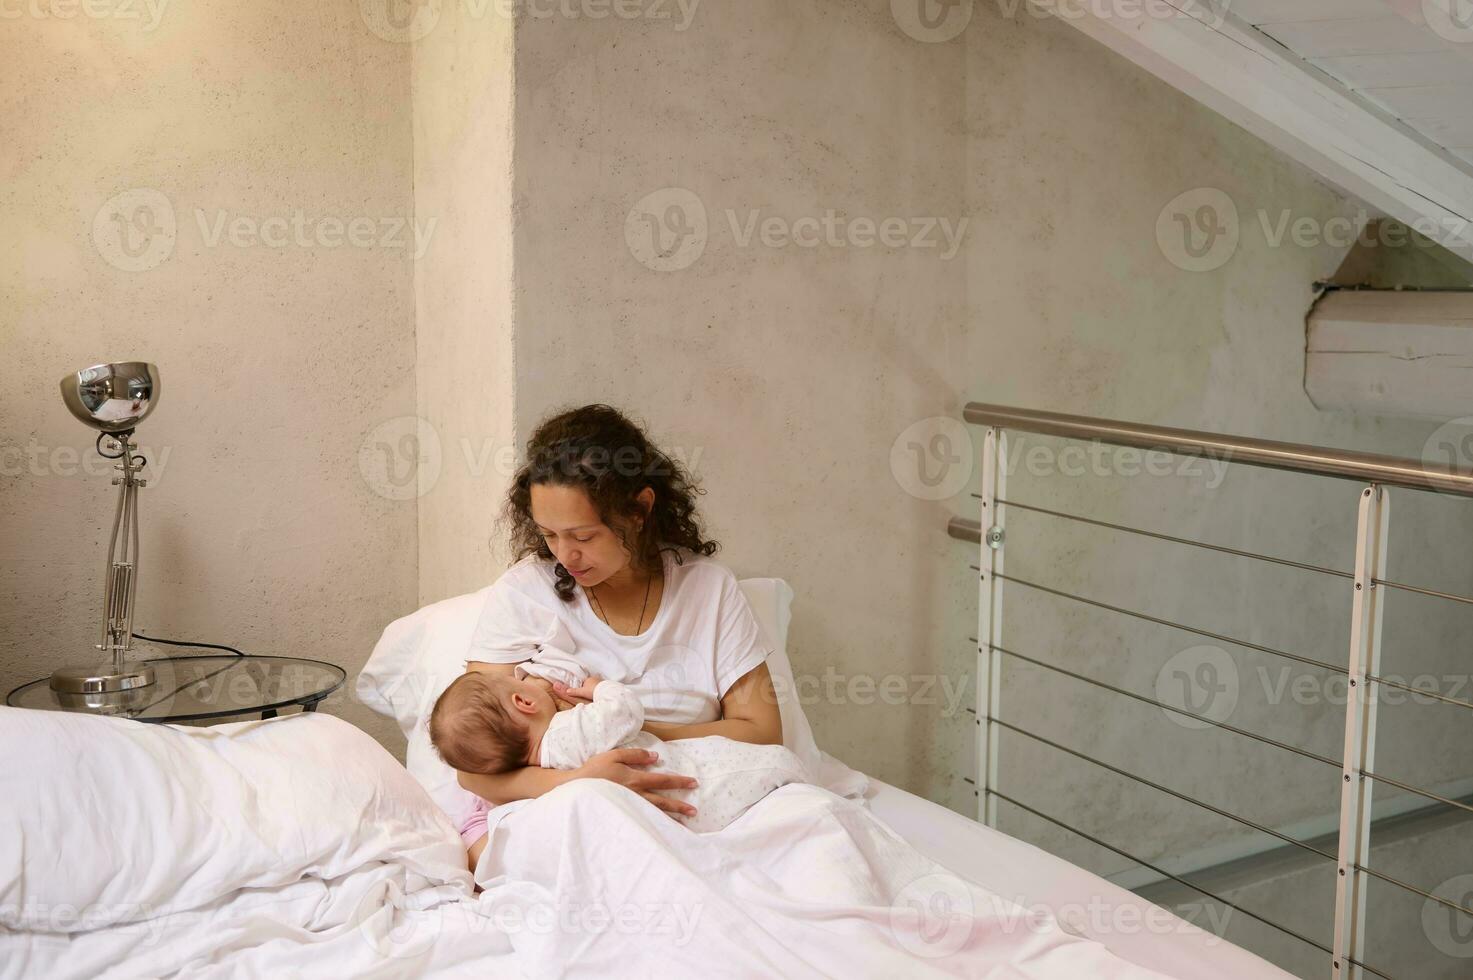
{"x":704,"y":637}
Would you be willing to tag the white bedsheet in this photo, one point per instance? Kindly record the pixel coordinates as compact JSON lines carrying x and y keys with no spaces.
{"x":135,"y":850}
{"x":804,"y":884}
{"x":1132,"y":927}
{"x":591,"y":881}
{"x":363,"y":878}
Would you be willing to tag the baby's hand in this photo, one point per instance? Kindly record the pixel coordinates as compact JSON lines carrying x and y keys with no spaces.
{"x":582,"y":694}
{"x":559,"y":702}
{"x":585,"y":690}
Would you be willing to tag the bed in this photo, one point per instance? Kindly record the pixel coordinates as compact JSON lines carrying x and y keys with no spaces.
{"x":1133,"y":928}
{"x":298,"y":845}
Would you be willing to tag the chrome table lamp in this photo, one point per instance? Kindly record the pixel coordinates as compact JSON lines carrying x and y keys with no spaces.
{"x":114,"y":398}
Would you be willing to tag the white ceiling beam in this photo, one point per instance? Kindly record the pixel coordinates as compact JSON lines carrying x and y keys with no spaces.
{"x":1260,"y":85}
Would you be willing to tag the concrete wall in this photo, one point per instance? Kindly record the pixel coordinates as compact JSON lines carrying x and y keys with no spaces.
{"x":794,"y":239}
{"x":261,"y":526}
{"x":1077,"y":305}
{"x":1057,"y":153}
{"x":781,"y":372}
{"x":464,"y":432}
{"x":1081,"y":298}
{"x":811,"y":371}
{"x":1407,"y":935}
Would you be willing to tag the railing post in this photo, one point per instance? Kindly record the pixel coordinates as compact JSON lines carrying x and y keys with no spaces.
{"x":989,"y":620}
{"x":1360,"y":733}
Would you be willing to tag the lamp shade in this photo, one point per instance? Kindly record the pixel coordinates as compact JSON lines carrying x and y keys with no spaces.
{"x":112,"y":397}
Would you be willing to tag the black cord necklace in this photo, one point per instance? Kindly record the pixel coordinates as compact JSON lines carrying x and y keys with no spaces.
{"x":638,"y":626}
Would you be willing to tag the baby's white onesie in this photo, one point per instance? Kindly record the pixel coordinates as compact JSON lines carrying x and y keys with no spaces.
{"x":552,"y":669}
{"x":730,"y":775}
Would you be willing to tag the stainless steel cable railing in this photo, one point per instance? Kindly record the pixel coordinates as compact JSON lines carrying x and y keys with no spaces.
{"x":1163,"y":872}
{"x":1368,"y":587}
{"x":1239,"y":818}
{"x":1235,"y":552}
{"x":1195,"y":630}
{"x":1197,"y":716}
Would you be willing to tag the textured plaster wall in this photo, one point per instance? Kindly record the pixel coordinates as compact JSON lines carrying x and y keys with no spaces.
{"x":1075,"y":305}
{"x":463,"y":447}
{"x":781,"y":372}
{"x":1407,"y":935}
{"x":792,"y":371}
{"x":347,"y":461}
{"x":259,"y":527}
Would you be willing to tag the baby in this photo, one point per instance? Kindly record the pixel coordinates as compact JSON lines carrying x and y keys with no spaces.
{"x":491,"y":724}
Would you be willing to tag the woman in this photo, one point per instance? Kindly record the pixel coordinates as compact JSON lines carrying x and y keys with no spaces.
{"x":612,"y":568}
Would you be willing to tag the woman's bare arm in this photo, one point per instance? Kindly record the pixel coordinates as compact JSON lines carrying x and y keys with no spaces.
{"x":749,"y":713}
{"x":617,"y":766}
{"x":526,"y":783}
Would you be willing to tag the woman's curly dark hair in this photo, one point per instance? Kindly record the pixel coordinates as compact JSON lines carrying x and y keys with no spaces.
{"x":597,"y":448}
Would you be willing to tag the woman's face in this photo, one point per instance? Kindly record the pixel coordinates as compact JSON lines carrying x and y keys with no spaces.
{"x":576,"y":536}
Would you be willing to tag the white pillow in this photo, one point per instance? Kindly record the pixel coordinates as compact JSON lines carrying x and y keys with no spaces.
{"x":414,"y":661}
{"x":771,"y":600}
{"x":106,"y":820}
{"x":418,"y":656}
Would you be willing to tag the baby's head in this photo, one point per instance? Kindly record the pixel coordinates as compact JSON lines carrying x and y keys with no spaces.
{"x":490,"y":723}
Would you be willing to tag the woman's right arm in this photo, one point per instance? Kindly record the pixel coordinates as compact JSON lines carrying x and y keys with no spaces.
{"x":519,"y":784}
{"x":616,"y":765}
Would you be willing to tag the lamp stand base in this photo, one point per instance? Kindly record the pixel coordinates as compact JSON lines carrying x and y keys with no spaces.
{"x":102,"y":678}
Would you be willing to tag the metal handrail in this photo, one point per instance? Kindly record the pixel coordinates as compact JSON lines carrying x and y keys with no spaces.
{"x":1391,"y":471}
{"x":1352,"y":840}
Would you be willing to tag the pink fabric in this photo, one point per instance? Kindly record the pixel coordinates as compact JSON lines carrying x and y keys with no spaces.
{"x":473,"y":828}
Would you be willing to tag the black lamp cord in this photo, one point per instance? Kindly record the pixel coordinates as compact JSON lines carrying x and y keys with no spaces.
{"x":185,"y":643}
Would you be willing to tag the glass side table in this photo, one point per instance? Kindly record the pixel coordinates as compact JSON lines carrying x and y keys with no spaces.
{"x":200,"y":688}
